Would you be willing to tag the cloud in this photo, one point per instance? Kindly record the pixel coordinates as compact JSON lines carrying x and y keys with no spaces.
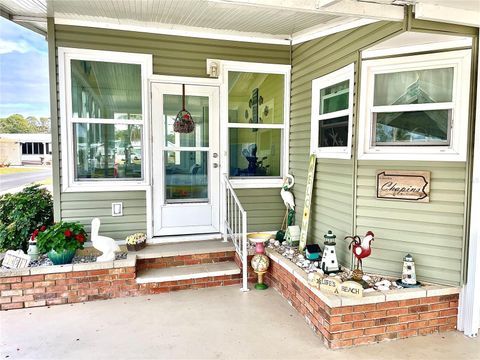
{"x":7,"y":46}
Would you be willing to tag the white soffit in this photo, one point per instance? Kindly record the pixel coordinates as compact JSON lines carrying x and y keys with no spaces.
{"x":415,"y":42}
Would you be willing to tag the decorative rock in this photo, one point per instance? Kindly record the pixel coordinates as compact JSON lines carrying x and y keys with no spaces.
{"x":366,"y":278}
{"x":276,"y":243}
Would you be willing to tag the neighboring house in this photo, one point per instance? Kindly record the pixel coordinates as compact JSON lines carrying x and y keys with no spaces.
{"x":34,"y":148}
{"x":10,"y":152}
{"x":392,"y":92}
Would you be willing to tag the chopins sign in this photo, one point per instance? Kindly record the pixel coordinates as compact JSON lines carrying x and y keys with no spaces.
{"x":403,"y":185}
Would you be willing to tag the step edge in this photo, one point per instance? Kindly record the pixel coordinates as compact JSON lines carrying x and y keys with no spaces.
{"x":160,"y":279}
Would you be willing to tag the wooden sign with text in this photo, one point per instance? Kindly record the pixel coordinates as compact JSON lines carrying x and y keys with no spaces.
{"x":307,"y":203}
{"x":15,"y":260}
{"x":403,"y":185}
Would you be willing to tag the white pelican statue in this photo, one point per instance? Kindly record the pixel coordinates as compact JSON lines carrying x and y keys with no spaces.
{"x":287,"y":196}
{"x":106,"y":245}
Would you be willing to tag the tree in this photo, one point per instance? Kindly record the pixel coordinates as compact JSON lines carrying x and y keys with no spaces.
{"x":14,"y":124}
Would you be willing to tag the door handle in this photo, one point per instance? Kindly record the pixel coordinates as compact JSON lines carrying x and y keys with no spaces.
{"x":215,"y":155}
{"x":215,"y":165}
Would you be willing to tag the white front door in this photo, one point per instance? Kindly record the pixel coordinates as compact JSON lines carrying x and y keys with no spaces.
{"x":186,"y":171}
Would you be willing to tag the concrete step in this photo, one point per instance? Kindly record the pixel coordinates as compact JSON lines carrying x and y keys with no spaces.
{"x":184,"y":248}
{"x":187,"y":272}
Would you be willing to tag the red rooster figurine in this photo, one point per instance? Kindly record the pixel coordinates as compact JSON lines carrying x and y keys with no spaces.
{"x":361,"y":248}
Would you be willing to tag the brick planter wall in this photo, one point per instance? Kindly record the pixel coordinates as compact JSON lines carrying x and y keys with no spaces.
{"x":346,"y":326}
{"x":182,"y":260}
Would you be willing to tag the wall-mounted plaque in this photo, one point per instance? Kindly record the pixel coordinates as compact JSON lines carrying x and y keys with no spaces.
{"x":403,"y":185}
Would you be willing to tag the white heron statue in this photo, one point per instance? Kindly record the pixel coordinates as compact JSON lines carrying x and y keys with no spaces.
{"x":288,"y":199}
{"x":106,"y":245}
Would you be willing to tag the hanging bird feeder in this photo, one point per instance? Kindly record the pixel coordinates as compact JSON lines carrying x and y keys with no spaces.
{"x":184,"y":121}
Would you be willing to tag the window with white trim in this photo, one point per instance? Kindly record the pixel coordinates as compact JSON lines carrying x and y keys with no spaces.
{"x":415,"y":107}
{"x":257,"y":128}
{"x":104,"y":112}
{"x":332,"y":113}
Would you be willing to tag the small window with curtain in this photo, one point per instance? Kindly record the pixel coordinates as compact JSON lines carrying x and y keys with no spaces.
{"x":415,"y":107}
{"x":332,"y":109}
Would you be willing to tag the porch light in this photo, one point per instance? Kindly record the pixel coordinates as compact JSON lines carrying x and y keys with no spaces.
{"x":212,"y":69}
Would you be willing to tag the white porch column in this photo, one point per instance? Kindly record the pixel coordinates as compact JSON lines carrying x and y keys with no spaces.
{"x":469,"y":317}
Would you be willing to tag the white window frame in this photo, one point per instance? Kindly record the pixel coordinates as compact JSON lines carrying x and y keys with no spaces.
{"x":333,"y":78}
{"x":69,"y":184}
{"x":239,"y":66}
{"x":460,"y":60}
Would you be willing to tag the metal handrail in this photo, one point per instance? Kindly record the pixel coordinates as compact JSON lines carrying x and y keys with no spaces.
{"x":235,"y":218}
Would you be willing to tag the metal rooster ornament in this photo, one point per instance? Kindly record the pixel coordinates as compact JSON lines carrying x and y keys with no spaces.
{"x":361,"y":248}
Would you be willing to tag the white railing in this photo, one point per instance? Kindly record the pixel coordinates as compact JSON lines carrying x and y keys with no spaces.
{"x":235,"y":225}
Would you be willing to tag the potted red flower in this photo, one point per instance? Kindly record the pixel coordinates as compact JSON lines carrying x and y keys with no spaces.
{"x":61,"y":241}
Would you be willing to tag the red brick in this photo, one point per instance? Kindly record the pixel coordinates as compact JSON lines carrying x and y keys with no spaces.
{"x":449,"y":327}
{"x":29,"y":304}
{"x":386,"y":321}
{"x":440,"y":306}
{"x":364,"y":340}
{"x":363,"y":324}
{"x":375,"y":314}
{"x":408,"y":318}
{"x":82,"y":292}
{"x":11,"y":293}
{"x":398,"y":311}
{"x":44,"y":283}
{"x":32,"y":278}
{"x":387,"y":305}
{"x":453,"y":297}
{"x":364,"y":308}
{"x":55,"y":276}
{"x":12,"y":306}
{"x":339,"y":327}
{"x":33,"y":291}
{"x":417,"y":324}
{"x":397,"y":327}
{"x":98,"y":272}
{"x":407,"y":333}
{"x":389,"y":336}
{"x":22,"y":285}
{"x":5,"y":300}
{"x":80,"y":286}
{"x":100,"y":284}
{"x":439,"y":321}
{"x":76,"y":274}
{"x":129,"y":270}
{"x":341,"y":310}
{"x":429,"y":315}
{"x":9,"y":280}
{"x":417,"y":309}
{"x":338,"y":344}
{"x":56,"y":301}
{"x":5,"y":287}
{"x":352,"y":334}
{"x":408,"y":302}
{"x":77,"y":299}
{"x":429,"y":300}
{"x":22,"y":298}
{"x":335,"y":320}
{"x":448,"y":312}
{"x":427,"y":330}
{"x":375,"y":330}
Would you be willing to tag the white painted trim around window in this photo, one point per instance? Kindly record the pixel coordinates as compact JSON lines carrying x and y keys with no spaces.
{"x":336,"y":77}
{"x":460,"y":60}
{"x":67,"y":144}
{"x":225,"y":67}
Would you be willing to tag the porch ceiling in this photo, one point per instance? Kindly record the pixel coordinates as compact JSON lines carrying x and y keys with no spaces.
{"x":251,"y":20}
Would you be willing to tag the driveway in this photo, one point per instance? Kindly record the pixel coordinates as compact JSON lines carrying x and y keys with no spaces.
{"x":15,"y":180}
{"x":215,"y":323}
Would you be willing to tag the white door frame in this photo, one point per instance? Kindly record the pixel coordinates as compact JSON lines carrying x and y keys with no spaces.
{"x":156,"y":197}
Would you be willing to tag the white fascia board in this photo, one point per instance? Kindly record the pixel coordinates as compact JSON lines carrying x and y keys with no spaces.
{"x":340,"y":8}
{"x":324,"y":30}
{"x":455,"y":44}
{"x":447,"y":14}
{"x":177,"y":30}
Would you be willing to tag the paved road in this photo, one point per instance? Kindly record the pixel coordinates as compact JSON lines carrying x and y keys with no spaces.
{"x":10,"y":181}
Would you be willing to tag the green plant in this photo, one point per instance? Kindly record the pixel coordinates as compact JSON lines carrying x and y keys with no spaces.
{"x":61,"y":236}
{"x":21,"y":213}
{"x":136,"y":238}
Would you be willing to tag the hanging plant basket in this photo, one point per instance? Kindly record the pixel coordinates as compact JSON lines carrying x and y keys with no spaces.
{"x":183,"y":123}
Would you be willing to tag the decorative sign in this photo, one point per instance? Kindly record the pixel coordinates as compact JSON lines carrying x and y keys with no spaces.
{"x":351,"y":289}
{"x":15,"y":259}
{"x":315,"y":279}
{"x":331,"y":285}
{"x":308,"y":199}
{"x":403,"y":185}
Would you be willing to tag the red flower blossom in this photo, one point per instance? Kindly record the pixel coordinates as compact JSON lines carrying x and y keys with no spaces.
{"x":43,"y":228}
{"x":80,"y":238}
{"x":68,"y":233}
{"x":34,"y":234}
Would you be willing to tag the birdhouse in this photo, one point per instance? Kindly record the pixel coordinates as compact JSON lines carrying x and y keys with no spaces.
{"x":329,"y":262}
{"x":292,"y":235}
{"x":312,"y":252}
{"x":409,"y":277}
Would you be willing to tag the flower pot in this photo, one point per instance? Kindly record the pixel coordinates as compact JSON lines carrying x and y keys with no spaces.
{"x":137,"y":246}
{"x":64,"y":257}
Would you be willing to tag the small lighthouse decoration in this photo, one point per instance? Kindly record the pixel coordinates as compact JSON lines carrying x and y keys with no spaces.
{"x":329,"y":262}
{"x":409,"y":277}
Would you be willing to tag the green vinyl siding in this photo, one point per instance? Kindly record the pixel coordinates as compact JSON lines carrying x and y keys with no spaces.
{"x":82,"y":207}
{"x":172,"y":55}
{"x":344,"y":192}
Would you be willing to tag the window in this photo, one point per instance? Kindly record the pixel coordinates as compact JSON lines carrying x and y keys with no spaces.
{"x":332,"y":109}
{"x":105,"y":117}
{"x":257,"y":113}
{"x":415,"y":107}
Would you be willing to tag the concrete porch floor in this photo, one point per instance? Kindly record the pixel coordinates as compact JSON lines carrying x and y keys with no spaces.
{"x":216,"y":323}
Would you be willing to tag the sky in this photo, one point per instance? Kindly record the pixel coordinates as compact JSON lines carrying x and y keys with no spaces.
{"x":24,"y":85}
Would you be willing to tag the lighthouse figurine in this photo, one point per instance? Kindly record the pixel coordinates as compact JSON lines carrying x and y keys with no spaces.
{"x":329,"y":262}
{"x":409,"y":277}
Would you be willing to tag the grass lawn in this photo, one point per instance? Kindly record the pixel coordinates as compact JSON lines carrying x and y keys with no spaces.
{"x":14,"y":170}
